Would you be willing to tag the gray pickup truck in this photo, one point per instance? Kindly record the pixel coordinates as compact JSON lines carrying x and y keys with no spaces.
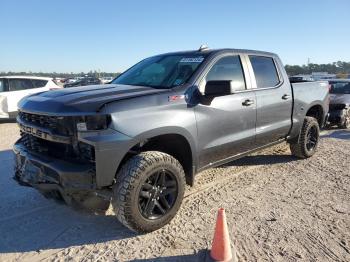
{"x":136,"y":143}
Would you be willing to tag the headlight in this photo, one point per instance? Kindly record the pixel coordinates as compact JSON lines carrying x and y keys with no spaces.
{"x":93,"y":122}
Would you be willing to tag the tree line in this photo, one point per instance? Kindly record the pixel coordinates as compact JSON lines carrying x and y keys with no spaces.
{"x":332,"y":68}
{"x":339,"y":68}
{"x":61,"y":75}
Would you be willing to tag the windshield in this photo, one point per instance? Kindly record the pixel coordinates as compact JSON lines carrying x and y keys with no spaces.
{"x":164,"y":71}
{"x":340,"y":88}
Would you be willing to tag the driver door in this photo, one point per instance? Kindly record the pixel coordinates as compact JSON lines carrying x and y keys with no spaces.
{"x":226,"y":126}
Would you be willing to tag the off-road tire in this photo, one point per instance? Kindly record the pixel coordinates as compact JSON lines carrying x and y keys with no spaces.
{"x":346,"y":123}
{"x":299,"y":148}
{"x":129,"y":181}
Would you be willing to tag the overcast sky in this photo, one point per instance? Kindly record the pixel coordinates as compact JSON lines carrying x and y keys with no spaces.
{"x":75,"y":36}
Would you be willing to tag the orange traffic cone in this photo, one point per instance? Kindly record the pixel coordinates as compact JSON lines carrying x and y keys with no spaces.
{"x":221,"y":249}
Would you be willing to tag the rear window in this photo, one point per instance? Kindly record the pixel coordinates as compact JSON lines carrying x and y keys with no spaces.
{"x":20,"y":84}
{"x":39,"y":83}
{"x":265,"y":71}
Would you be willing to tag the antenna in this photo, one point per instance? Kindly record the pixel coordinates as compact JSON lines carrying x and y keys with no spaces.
{"x":203,"y":47}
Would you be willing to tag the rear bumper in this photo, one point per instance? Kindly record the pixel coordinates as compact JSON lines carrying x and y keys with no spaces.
{"x":54,"y":177}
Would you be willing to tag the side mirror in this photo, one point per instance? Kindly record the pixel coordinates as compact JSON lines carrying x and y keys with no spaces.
{"x":217,"y":88}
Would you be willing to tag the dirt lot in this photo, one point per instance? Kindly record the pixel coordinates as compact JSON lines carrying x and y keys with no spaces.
{"x":278,"y":209}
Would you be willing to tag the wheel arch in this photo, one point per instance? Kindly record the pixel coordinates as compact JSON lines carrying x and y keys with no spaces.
{"x":316,"y":110}
{"x":173,"y":141}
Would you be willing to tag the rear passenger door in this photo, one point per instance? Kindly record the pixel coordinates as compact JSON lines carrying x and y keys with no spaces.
{"x":18,"y":88}
{"x":273,"y":97}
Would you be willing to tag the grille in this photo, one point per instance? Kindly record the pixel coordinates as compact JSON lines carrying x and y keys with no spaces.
{"x":33,"y":143}
{"x":82,"y":152}
{"x":41,"y":120}
{"x":60,"y":125}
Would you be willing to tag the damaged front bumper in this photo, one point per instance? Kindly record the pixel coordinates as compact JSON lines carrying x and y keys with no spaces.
{"x":336,"y":116}
{"x":75,"y":183}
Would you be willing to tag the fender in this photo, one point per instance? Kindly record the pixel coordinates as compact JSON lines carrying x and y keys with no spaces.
{"x":168,"y":130}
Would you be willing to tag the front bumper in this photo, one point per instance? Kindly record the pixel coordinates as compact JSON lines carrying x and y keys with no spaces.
{"x":74,"y":182}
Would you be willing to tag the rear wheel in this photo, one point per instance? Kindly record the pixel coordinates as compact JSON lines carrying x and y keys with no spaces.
{"x":308,"y":139}
{"x":149,"y":191}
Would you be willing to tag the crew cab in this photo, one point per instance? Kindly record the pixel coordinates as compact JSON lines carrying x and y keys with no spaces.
{"x":138,"y":141}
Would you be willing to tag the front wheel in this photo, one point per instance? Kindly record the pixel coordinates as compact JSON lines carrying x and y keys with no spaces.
{"x":149,"y":191}
{"x":308,"y":139}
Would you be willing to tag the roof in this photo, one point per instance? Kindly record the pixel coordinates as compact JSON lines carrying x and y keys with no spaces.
{"x":212,"y":51}
{"x":28,"y":77}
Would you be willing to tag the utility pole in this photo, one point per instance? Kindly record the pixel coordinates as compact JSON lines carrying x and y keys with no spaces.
{"x":308,"y":65}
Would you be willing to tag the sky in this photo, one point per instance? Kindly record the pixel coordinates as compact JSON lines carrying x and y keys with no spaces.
{"x":110,"y":36}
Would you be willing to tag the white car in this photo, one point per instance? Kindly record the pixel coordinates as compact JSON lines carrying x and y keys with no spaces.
{"x":106,"y":79}
{"x":14,"y":88}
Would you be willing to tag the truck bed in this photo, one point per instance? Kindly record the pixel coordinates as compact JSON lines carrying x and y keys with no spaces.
{"x":304,"y":94}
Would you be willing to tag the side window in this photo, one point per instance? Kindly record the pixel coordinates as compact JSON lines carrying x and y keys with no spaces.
{"x":228,"y":68}
{"x":3,"y":85}
{"x":265,"y":71}
{"x":39,"y":83}
{"x":20,"y":84}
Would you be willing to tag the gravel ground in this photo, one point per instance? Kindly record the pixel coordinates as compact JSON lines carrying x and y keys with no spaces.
{"x":278,"y":209}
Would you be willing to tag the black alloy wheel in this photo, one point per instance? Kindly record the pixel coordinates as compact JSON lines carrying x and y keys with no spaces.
{"x":312,"y":138}
{"x":306,"y":144}
{"x":158,"y":194}
{"x":148,"y":191}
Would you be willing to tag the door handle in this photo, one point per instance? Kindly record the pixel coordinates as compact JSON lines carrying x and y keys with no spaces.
{"x":248,"y":102}
{"x":285,"y":97}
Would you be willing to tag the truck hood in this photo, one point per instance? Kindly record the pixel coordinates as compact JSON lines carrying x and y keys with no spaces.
{"x":340,"y":99}
{"x":82,"y":99}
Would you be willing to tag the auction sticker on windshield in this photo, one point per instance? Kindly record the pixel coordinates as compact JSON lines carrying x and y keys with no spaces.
{"x":198,"y":59}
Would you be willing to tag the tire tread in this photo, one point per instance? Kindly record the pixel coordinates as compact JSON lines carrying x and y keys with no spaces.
{"x":298,"y":149}
{"x":129,"y":177}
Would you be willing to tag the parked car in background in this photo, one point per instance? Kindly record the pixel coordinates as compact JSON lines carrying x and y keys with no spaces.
{"x":14,"y":88}
{"x":300,"y":78}
{"x":58,"y":79}
{"x":86,"y":81}
{"x":339,"y":106}
{"x":106,"y":79}
{"x":69,"y":80}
